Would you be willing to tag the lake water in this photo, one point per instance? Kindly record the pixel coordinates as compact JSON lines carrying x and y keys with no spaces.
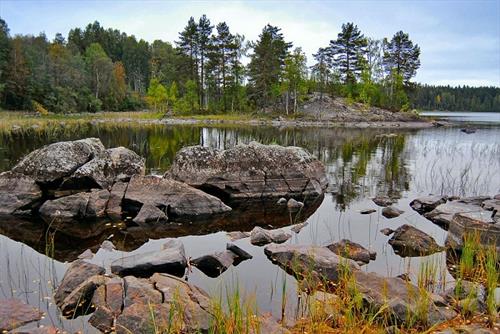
{"x":464,"y":116}
{"x":360,"y":163}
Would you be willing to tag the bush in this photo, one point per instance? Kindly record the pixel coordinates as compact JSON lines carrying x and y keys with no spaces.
{"x":39,"y":109}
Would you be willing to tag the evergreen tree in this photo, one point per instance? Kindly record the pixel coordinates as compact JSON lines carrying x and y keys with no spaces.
{"x":266,"y":65}
{"x":321,"y":70}
{"x":348,"y":51}
{"x":5,"y":48}
{"x":188,"y":45}
{"x":204,"y":32}
{"x":401,"y":56}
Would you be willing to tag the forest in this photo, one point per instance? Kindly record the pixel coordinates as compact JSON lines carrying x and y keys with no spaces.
{"x":210,"y":69}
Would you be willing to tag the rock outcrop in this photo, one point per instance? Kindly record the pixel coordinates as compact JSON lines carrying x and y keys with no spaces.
{"x":250,"y":171}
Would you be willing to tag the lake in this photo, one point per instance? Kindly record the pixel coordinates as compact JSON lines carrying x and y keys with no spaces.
{"x":360,"y":163}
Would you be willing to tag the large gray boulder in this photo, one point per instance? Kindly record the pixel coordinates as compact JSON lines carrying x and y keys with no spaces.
{"x":106,"y":168}
{"x":171,"y":260}
{"x":409,"y":241}
{"x":173,"y":197}
{"x":250,"y":171}
{"x":17,"y":193}
{"x":53,"y":162}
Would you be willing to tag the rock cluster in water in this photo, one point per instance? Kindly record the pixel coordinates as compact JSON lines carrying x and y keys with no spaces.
{"x":82,"y":181}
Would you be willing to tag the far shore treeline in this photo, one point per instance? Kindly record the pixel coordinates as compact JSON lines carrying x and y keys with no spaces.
{"x":203,"y":72}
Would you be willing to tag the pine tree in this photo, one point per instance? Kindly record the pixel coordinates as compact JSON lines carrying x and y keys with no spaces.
{"x":401,"y":56}
{"x":204,"y":32}
{"x":348,"y":51}
{"x":266,"y":65}
{"x":321,"y":70}
{"x":188,"y":45}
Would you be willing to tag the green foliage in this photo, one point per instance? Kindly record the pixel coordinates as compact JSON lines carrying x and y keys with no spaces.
{"x":266,"y":66}
{"x":189,"y":102}
{"x":157,"y":95}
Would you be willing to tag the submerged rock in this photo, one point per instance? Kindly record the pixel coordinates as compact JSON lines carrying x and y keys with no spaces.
{"x":171,"y":196}
{"x":236,"y":235}
{"x":260,"y":236}
{"x":150,"y":214}
{"x":383,"y":201}
{"x":391,"y":212}
{"x":427,"y":203}
{"x":409,"y":241}
{"x":17,"y":193}
{"x":250,"y":171}
{"x":171,"y":260}
{"x":353,"y":251}
{"x":15,"y":313}
{"x":387,"y":231}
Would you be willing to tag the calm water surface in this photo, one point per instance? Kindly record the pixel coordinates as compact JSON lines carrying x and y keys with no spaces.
{"x":360,"y":164}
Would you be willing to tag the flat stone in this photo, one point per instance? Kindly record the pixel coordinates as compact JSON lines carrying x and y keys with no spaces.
{"x":367,"y":211}
{"x":443,"y":213}
{"x":15,"y":313}
{"x":17,"y":192}
{"x":174,"y":197}
{"x":170,"y":260}
{"x":139,"y":290}
{"x":103,"y":319}
{"x":410,"y":241}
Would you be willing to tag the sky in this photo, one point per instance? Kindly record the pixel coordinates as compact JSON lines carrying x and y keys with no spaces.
{"x":459,"y":40}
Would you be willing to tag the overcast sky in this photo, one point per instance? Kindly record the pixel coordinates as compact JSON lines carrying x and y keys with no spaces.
{"x":460,"y":40}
